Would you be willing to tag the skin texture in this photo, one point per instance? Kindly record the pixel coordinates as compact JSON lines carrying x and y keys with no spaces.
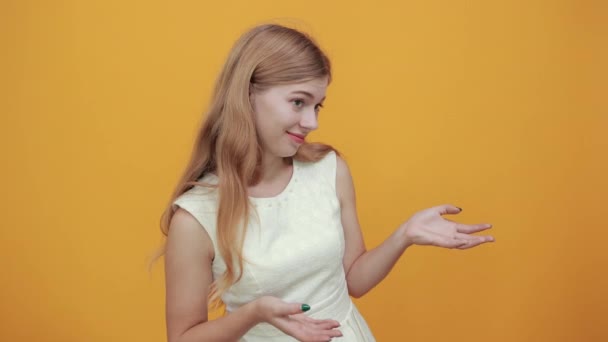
{"x":365,"y":269}
{"x":189,"y":252}
{"x":277,"y":111}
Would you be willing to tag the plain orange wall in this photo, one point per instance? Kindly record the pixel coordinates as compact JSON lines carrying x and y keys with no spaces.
{"x":494,"y":106}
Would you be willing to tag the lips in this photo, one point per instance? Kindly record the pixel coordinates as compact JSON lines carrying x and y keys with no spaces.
{"x":297,"y":135}
{"x":297,"y":138}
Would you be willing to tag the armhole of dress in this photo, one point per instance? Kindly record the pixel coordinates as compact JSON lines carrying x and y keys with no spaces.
{"x":332,"y":166}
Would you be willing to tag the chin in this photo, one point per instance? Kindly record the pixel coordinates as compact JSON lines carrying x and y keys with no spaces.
{"x":288,"y":152}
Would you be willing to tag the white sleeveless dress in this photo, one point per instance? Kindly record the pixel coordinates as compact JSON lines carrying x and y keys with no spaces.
{"x":294,"y":253}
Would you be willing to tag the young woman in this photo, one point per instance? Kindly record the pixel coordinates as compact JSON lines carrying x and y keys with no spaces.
{"x":265,"y":222}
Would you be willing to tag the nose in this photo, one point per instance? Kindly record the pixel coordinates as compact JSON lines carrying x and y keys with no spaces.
{"x":309,"y":120}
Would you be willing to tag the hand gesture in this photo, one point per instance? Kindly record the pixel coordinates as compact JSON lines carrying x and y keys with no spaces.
{"x":290,"y":319}
{"x":428,"y":227}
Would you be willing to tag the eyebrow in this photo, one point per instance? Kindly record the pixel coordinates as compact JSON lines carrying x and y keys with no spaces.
{"x":307,"y":94}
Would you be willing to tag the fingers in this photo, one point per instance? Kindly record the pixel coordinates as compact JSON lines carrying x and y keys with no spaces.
{"x":292,"y":309}
{"x":327,"y":324}
{"x":472,"y":241}
{"x":472,"y":228}
{"x":316,"y":329}
{"x":289,"y":318}
{"x":449,"y":241}
{"x":460,"y":240}
{"x":445,"y":209}
{"x":329,"y":334}
{"x":464,"y":228}
{"x":321,"y":323}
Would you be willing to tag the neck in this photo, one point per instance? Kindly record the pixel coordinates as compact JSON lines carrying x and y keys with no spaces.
{"x":272,"y":167}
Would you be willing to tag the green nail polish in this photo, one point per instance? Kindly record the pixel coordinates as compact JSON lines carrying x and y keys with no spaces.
{"x":305,"y":307}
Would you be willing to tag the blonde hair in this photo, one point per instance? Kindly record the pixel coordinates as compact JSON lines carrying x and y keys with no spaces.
{"x":227,"y":142}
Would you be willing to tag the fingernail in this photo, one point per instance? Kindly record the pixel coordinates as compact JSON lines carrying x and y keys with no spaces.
{"x":459,"y":208}
{"x":305,"y":307}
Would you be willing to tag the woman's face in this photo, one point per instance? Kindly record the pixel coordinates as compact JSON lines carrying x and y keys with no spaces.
{"x":285,"y":114}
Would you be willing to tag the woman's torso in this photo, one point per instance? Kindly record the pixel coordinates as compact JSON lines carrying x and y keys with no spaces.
{"x":294,"y":252}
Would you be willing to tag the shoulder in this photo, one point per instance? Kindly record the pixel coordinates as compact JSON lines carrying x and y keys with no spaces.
{"x":199,"y":196}
{"x":344,"y":182}
{"x":341,"y":165}
{"x":184,"y":221}
{"x":342,"y":170}
{"x":187,"y":232}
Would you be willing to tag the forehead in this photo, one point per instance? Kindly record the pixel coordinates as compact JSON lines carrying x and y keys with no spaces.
{"x":316,"y":87}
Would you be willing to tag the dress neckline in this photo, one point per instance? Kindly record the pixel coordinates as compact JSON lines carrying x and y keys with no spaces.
{"x":285,"y":192}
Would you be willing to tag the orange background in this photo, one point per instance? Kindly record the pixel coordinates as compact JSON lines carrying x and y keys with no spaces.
{"x":498,"y":107}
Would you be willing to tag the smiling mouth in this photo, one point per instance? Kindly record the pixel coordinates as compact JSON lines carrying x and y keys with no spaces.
{"x":299,"y":139}
{"x":297,"y":135}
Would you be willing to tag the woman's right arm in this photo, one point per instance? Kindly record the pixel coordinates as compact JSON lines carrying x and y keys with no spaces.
{"x":188,"y":257}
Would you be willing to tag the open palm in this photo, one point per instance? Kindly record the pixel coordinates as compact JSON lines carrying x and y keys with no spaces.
{"x":289,"y":318}
{"x":305,"y":328}
{"x":428,"y":227}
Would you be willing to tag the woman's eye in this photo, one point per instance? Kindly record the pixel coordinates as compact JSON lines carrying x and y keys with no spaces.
{"x":300,"y":103}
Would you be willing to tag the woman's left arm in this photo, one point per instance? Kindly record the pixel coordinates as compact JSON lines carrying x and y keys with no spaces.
{"x":365,"y":269}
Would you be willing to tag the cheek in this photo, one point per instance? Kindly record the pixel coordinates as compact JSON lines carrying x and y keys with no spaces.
{"x":273,"y":119}
{"x":269,"y":127}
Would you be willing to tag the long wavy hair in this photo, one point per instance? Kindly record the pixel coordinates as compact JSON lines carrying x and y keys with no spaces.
{"x":227,"y":143}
